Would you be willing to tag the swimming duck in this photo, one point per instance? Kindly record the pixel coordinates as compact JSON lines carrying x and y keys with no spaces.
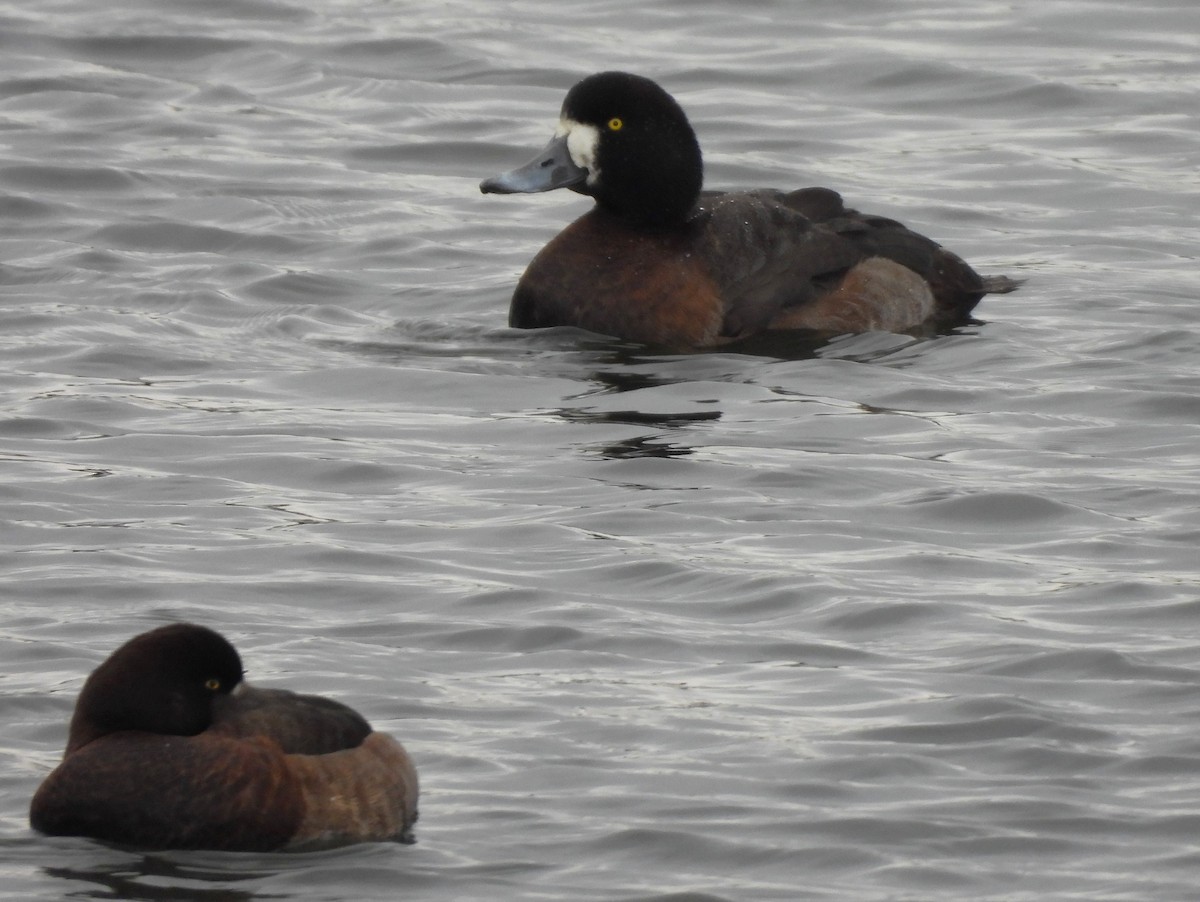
{"x":659,"y":261}
{"x":169,"y":749}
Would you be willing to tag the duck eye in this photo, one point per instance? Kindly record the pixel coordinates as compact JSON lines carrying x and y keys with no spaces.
{"x":615,"y":124}
{"x":212,"y":683}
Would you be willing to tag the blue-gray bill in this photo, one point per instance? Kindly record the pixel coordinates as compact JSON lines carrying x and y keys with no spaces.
{"x":550,"y":169}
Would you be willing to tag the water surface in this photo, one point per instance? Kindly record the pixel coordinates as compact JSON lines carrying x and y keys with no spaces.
{"x":885,"y":619}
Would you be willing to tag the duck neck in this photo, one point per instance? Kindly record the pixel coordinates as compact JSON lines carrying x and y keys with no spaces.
{"x":653,"y":193}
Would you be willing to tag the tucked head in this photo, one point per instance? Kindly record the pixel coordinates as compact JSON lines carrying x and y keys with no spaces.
{"x":623,"y":140}
{"x":163,"y":681}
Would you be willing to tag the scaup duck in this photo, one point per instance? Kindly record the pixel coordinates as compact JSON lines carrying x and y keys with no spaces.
{"x":169,"y":749}
{"x":660,"y":262}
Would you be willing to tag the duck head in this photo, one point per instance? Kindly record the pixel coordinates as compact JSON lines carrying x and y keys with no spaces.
{"x":624,"y":141}
{"x":164,"y":681}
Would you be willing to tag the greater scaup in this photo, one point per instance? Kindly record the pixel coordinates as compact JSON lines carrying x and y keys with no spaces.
{"x":169,"y":749}
{"x":659,"y":261}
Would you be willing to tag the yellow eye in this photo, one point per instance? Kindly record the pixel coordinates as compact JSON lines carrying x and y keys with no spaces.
{"x":615,"y":124}
{"x":214,"y":684}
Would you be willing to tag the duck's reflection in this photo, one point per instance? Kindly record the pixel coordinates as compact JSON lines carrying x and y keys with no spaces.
{"x":155,"y":878}
{"x":651,"y":445}
{"x":642,"y":446}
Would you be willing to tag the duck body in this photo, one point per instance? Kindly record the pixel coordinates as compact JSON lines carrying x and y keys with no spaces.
{"x":168,"y":749}
{"x":659,"y":261}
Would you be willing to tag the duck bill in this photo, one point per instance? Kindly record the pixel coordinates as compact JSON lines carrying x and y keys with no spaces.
{"x":550,"y":169}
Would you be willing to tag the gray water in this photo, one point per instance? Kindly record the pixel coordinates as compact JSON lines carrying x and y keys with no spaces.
{"x":885,"y":619}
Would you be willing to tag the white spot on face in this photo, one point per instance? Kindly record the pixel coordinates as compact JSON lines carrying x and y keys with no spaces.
{"x":582,"y":142}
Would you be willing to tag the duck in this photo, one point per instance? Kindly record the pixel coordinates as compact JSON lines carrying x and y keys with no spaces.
{"x":169,"y":748}
{"x":660,"y":261}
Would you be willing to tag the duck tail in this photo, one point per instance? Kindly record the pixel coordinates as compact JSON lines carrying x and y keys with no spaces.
{"x":1000,"y":284}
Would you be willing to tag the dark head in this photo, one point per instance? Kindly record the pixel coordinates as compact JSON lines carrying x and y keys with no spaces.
{"x":624,"y":141}
{"x":163,"y":681}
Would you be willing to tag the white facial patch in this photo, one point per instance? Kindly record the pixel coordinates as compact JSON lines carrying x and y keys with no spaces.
{"x":582,"y":142}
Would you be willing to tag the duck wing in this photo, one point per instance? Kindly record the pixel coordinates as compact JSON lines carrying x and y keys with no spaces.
{"x":955,"y":285}
{"x":778,"y":252}
{"x":765,"y":255}
{"x":300,"y":724}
